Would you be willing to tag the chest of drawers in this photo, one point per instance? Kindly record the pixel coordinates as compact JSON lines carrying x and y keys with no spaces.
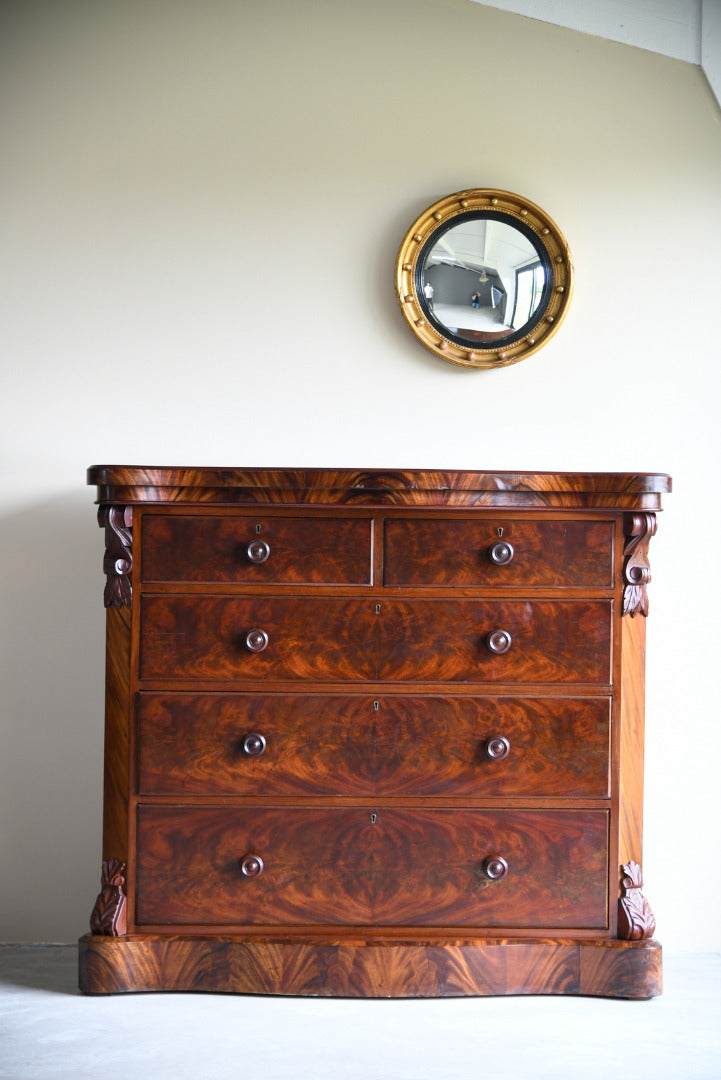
{"x":374,"y":733}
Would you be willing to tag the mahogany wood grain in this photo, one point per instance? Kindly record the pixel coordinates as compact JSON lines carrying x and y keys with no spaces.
{"x":386,"y":867}
{"x":633,"y":646}
{"x":309,"y":638}
{"x":322,"y":744}
{"x":367,"y":487}
{"x":215,"y":549}
{"x":367,"y":969}
{"x":327,"y":639}
{"x":355,"y":747}
{"x":456,"y":553}
{"x":446,"y":640}
{"x":117,"y":713}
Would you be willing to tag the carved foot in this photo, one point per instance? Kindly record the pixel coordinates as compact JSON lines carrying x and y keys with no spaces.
{"x":635,"y":918}
{"x":108,"y":917}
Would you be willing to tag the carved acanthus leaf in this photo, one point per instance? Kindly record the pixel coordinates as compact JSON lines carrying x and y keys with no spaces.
{"x":108,"y":916}
{"x":118,"y":562}
{"x":638,"y":530}
{"x":635,"y":918}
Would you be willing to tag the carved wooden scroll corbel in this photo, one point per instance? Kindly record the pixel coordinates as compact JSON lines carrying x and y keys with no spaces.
{"x":118,"y":562}
{"x":635,"y":918}
{"x":108,"y":917}
{"x":638,"y":530}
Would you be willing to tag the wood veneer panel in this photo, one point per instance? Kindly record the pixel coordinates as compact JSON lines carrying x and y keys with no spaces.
{"x":457,"y":553}
{"x":117,"y":711}
{"x":446,"y":640}
{"x":215,"y":549}
{"x":204,"y":638}
{"x":323,"y":639}
{"x":349,"y":866}
{"x":336,"y":968}
{"x":134,"y":484}
{"x":332,"y":744}
{"x":633,"y":648}
{"x":315,"y":745}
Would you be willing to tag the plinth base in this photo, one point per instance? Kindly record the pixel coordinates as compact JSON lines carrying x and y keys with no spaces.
{"x":351,"y":968}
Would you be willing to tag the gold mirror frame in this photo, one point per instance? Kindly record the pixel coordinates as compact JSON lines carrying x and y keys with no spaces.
{"x":544,"y":235}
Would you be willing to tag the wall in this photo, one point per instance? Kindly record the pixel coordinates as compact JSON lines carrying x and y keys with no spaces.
{"x":165,"y":165}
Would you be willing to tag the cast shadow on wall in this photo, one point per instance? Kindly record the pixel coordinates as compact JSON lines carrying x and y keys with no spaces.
{"x":51,"y":584}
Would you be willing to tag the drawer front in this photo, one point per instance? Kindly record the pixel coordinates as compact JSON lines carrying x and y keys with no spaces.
{"x":194,"y":637}
{"x":454,"y":640}
{"x":471,"y":553}
{"x":323,"y":744}
{"x":318,"y":551}
{"x":200,"y":637}
{"x":355,"y":866}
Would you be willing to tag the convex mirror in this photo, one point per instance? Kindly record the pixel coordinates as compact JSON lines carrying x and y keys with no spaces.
{"x":484,"y":278}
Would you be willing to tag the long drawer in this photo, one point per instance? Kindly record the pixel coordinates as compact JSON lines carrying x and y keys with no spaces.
{"x":454,"y":553}
{"x":332,"y":744}
{"x":256,"y":549}
{"x":324,"y":639}
{"x":352,"y":866}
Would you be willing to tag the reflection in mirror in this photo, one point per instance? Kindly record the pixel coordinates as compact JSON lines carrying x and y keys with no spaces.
{"x":484,"y":278}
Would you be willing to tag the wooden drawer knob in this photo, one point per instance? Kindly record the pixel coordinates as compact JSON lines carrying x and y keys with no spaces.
{"x":258,"y":551}
{"x":497,"y":748}
{"x":251,"y":866}
{"x":495,"y":867}
{"x":256,"y":640}
{"x":501,"y":553}
{"x":499,"y":641}
{"x":254,"y":744}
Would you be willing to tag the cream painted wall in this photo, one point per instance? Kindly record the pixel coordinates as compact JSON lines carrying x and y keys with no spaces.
{"x":162,"y":161}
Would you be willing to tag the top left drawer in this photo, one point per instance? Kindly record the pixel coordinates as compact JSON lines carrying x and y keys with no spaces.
{"x":263,"y":550}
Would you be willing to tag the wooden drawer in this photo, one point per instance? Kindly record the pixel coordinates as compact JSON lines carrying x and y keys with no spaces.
{"x":318,"y":551}
{"x":458,"y":553}
{"x":328,"y":744}
{"x":201,"y":637}
{"x":356,"y":866}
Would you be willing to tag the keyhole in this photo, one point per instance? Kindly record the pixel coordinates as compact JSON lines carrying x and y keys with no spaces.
{"x":374,"y":818}
{"x":499,"y":530}
{"x":258,"y":528}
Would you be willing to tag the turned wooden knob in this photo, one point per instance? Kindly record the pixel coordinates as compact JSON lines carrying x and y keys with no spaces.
{"x":497,"y":748}
{"x":256,"y":640}
{"x":501,"y":553}
{"x":499,"y":641}
{"x":251,"y":866}
{"x":254,"y":744}
{"x":495,"y":867}
{"x":258,"y":551}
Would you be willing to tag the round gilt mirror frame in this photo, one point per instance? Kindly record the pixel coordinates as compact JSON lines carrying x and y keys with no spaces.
{"x":533,"y":223}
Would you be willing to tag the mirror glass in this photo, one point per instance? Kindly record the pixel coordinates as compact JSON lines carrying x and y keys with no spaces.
{"x":482,"y":279}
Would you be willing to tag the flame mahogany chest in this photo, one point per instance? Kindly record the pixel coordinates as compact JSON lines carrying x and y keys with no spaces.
{"x":374,"y":733}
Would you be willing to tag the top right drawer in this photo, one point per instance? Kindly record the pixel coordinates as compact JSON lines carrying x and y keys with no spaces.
{"x":498,"y":552}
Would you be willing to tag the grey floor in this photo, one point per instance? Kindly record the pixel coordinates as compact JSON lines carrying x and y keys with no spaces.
{"x":49,"y":1030}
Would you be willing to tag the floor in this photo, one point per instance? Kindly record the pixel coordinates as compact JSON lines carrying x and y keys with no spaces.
{"x":48,"y":1030}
